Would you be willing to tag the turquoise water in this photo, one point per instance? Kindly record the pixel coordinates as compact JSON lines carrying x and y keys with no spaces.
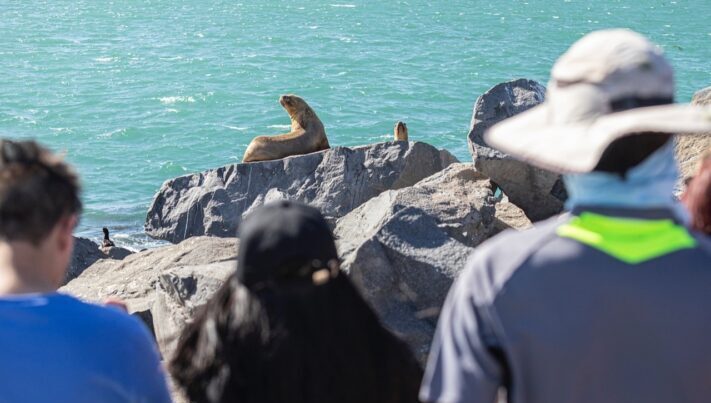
{"x":136,"y":92}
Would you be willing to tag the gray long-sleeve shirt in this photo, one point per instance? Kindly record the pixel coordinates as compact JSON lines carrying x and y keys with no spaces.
{"x":554,"y":317}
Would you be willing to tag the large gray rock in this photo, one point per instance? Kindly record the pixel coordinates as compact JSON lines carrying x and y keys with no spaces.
{"x":134,"y":279}
{"x":180,"y":292}
{"x":336,"y":181}
{"x":690,"y":148}
{"x":538,"y":192}
{"x":86,"y":252}
{"x":404,"y":248}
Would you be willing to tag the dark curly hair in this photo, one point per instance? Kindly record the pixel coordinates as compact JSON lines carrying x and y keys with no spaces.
{"x":37,"y":189}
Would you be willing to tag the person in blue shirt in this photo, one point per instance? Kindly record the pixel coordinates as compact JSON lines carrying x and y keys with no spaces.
{"x":55,"y":348}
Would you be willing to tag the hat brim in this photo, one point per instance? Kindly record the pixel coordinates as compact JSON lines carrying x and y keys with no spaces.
{"x":577,"y":148}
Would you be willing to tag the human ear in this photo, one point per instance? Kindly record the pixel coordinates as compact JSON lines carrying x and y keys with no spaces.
{"x":65,"y":237}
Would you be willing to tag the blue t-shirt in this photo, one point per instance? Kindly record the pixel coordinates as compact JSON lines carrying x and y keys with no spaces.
{"x":55,"y":348}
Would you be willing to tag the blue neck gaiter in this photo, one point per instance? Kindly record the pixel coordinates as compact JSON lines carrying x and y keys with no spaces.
{"x":648,"y":185}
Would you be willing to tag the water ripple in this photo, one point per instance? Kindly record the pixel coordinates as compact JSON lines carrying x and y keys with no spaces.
{"x":138,"y":92}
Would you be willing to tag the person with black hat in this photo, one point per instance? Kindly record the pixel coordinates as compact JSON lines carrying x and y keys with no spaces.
{"x":609,"y":303}
{"x":289,"y":326}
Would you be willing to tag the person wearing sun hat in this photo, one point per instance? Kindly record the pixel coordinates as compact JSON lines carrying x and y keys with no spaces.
{"x":611,"y":301}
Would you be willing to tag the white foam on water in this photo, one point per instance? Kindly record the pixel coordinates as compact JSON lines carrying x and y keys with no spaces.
{"x":112,"y":133}
{"x":237,"y":128}
{"x":279,"y":126}
{"x":343,"y":5}
{"x":24,"y":119}
{"x":105,"y":59}
{"x":176,"y":99}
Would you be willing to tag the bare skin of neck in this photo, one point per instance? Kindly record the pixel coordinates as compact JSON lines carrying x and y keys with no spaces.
{"x":26,"y":268}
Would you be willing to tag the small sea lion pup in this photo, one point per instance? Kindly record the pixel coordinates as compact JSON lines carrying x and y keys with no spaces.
{"x":307,"y":134}
{"x":400,"y":131}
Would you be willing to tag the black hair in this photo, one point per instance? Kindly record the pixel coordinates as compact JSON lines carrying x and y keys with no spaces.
{"x":37,"y":189}
{"x":627,"y":152}
{"x":295,"y":342}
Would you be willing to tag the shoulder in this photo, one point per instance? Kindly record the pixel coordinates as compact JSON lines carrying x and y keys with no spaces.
{"x":114,"y":346}
{"x":703,"y":241}
{"x":102,"y":319}
{"x":495,"y":261}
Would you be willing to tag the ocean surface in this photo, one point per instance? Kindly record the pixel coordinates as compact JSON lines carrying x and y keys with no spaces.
{"x":135,"y":92}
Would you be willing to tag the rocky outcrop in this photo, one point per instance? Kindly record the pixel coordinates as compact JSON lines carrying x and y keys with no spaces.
{"x":336,"y":181}
{"x":86,"y":252}
{"x":180,"y":292}
{"x":690,"y":148}
{"x":702,"y":97}
{"x":405,"y":247}
{"x":135,"y":278}
{"x":538,"y":192}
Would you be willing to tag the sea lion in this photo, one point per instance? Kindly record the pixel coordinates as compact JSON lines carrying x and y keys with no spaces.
{"x":400,"y":131}
{"x":307,"y":134}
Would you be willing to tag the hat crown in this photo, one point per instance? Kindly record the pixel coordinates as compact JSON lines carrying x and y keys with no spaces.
{"x":603,"y":56}
{"x":278,"y":241}
{"x":606,"y":69}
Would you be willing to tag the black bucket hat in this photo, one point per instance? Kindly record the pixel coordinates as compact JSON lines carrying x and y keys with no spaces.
{"x":282,"y":242}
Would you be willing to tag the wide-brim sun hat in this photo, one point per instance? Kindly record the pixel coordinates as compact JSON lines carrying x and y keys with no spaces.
{"x":608,"y":85}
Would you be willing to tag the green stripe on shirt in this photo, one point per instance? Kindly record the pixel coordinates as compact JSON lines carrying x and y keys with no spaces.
{"x":632,"y":241}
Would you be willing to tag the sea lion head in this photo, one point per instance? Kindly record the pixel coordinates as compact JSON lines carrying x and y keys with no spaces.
{"x":297,"y":109}
{"x":400,"y":131}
